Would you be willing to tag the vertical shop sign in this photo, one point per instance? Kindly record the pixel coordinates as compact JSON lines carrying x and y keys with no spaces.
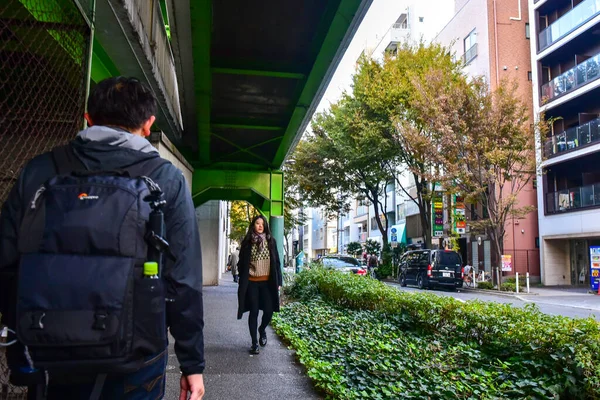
{"x":437,"y":210}
{"x":594,"y":267}
{"x":460,"y":222}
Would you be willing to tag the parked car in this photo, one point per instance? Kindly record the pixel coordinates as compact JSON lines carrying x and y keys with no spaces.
{"x":344,"y":263}
{"x":431,"y":268}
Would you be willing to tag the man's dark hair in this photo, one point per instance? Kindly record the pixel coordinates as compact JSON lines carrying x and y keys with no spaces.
{"x":121,"y":101}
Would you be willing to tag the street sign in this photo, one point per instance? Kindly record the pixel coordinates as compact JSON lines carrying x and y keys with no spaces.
{"x":394,"y":244}
{"x":394,"y":238}
{"x":394,"y":231}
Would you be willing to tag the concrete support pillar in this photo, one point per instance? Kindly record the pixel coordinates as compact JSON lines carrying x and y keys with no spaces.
{"x":276,"y":224}
{"x":208,"y":225}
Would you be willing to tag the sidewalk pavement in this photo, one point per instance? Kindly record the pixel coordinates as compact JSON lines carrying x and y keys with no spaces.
{"x":231,"y":372}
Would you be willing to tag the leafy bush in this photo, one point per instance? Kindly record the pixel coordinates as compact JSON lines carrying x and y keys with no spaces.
{"x":514,"y":352}
{"x":508,"y":287}
{"x":512,"y":279}
{"x":485,"y":285}
{"x":383,"y":271}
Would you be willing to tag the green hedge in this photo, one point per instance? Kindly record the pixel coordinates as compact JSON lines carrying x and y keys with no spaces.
{"x":543,"y":356}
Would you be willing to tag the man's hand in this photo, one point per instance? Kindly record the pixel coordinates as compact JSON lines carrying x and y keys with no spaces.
{"x":193,"y":384}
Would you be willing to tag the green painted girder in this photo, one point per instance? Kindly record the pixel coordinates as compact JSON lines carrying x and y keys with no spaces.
{"x":263,"y":189}
{"x":102,"y":66}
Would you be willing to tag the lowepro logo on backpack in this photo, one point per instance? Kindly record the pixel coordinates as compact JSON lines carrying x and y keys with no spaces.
{"x":85,"y":196}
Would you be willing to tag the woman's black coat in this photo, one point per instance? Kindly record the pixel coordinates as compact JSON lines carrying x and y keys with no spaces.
{"x":274,"y":281}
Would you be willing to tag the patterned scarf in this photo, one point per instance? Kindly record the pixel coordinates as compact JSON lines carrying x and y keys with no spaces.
{"x":259,"y":239}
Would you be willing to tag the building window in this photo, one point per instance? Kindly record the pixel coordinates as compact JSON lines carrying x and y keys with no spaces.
{"x":470,"y":47}
{"x":421,"y":19}
{"x":529,"y":76}
{"x":527,"y":35}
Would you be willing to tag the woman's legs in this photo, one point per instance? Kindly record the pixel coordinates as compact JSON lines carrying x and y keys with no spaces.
{"x":265,"y":296}
{"x":252,"y":298}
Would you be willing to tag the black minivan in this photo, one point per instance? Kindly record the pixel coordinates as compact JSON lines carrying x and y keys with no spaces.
{"x":430,"y":268}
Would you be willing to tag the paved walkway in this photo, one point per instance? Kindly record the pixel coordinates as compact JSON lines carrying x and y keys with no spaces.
{"x":231,"y":372}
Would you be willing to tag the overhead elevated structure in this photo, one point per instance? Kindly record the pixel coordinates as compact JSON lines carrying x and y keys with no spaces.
{"x":250,"y":77}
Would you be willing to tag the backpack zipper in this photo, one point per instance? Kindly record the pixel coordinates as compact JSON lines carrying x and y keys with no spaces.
{"x":39,"y":192}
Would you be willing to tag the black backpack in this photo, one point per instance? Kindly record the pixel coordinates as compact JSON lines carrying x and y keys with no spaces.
{"x":83,"y":304}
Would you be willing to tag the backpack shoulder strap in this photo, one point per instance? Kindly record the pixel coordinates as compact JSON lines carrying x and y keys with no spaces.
{"x":146,"y":167}
{"x":65,"y":160}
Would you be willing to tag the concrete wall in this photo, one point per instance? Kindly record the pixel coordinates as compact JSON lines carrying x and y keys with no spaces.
{"x":555,"y":262}
{"x":168,"y":151}
{"x":473,"y":15}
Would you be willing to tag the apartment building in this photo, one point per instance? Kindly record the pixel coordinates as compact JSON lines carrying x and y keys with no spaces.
{"x":565,"y":54}
{"x":493,"y":39}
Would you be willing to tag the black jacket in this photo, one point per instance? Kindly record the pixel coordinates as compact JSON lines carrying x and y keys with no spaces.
{"x":183,"y":277}
{"x":275,"y":280}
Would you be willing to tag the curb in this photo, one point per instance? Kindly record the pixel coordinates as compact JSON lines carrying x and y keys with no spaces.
{"x":499,"y":293}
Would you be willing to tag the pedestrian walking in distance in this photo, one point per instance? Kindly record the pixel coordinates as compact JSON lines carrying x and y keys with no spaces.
{"x":259,"y":280}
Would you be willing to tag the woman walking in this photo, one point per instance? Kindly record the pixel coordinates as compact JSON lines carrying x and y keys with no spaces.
{"x":259,"y":279}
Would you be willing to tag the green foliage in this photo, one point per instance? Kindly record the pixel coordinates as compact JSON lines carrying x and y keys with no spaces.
{"x":384,"y":270}
{"x":485,"y":285}
{"x":240,"y":214}
{"x":362,"y":339}
{"x":508,"y":287}
{"x":354,"y":249}
{"x":372,"y":247}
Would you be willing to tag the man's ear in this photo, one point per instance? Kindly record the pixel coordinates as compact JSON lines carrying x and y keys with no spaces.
{"x":88,"y":119}
{"x":147,"y":125}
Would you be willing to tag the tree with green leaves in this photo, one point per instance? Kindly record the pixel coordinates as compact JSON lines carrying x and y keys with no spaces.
{"x":372,"y":247}
{"x":385,"y":91}
{"x":484,"y":144}
{"x":240,"y":216}
{"x":355,"y":249}
{"x":341,"y":161}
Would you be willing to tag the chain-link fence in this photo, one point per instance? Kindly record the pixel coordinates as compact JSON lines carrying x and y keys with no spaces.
{"x":44,"y":47}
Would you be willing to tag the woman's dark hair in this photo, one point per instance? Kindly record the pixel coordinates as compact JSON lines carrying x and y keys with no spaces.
{"x":121,"y":101}
{"x":248,"y":238}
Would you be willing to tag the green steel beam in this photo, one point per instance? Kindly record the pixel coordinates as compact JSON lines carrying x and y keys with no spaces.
{"x":201,"y":18}
{"x":249,"y":127}
{"x":253,"y":72}
{"x":102,"y":66}
{"x":340,"y":25}
{"x":262,"y":189}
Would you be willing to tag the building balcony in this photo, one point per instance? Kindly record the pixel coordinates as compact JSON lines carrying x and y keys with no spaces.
{"x":573,"y":19}
{"x":395,"y":35}
{"x":573,"y":138}
{"x":581,"y":74}
{"x":576,"y":198}
{"x":470,"y":54}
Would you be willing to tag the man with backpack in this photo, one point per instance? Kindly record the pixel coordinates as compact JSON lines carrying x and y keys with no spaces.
{"x":99,"y":254}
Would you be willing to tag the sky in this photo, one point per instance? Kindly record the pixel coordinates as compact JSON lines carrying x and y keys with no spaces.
{"x":379,"y":18}
{"x":381,"y":15}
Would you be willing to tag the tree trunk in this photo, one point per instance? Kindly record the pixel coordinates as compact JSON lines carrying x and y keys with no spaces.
{"x":382,"y":230}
